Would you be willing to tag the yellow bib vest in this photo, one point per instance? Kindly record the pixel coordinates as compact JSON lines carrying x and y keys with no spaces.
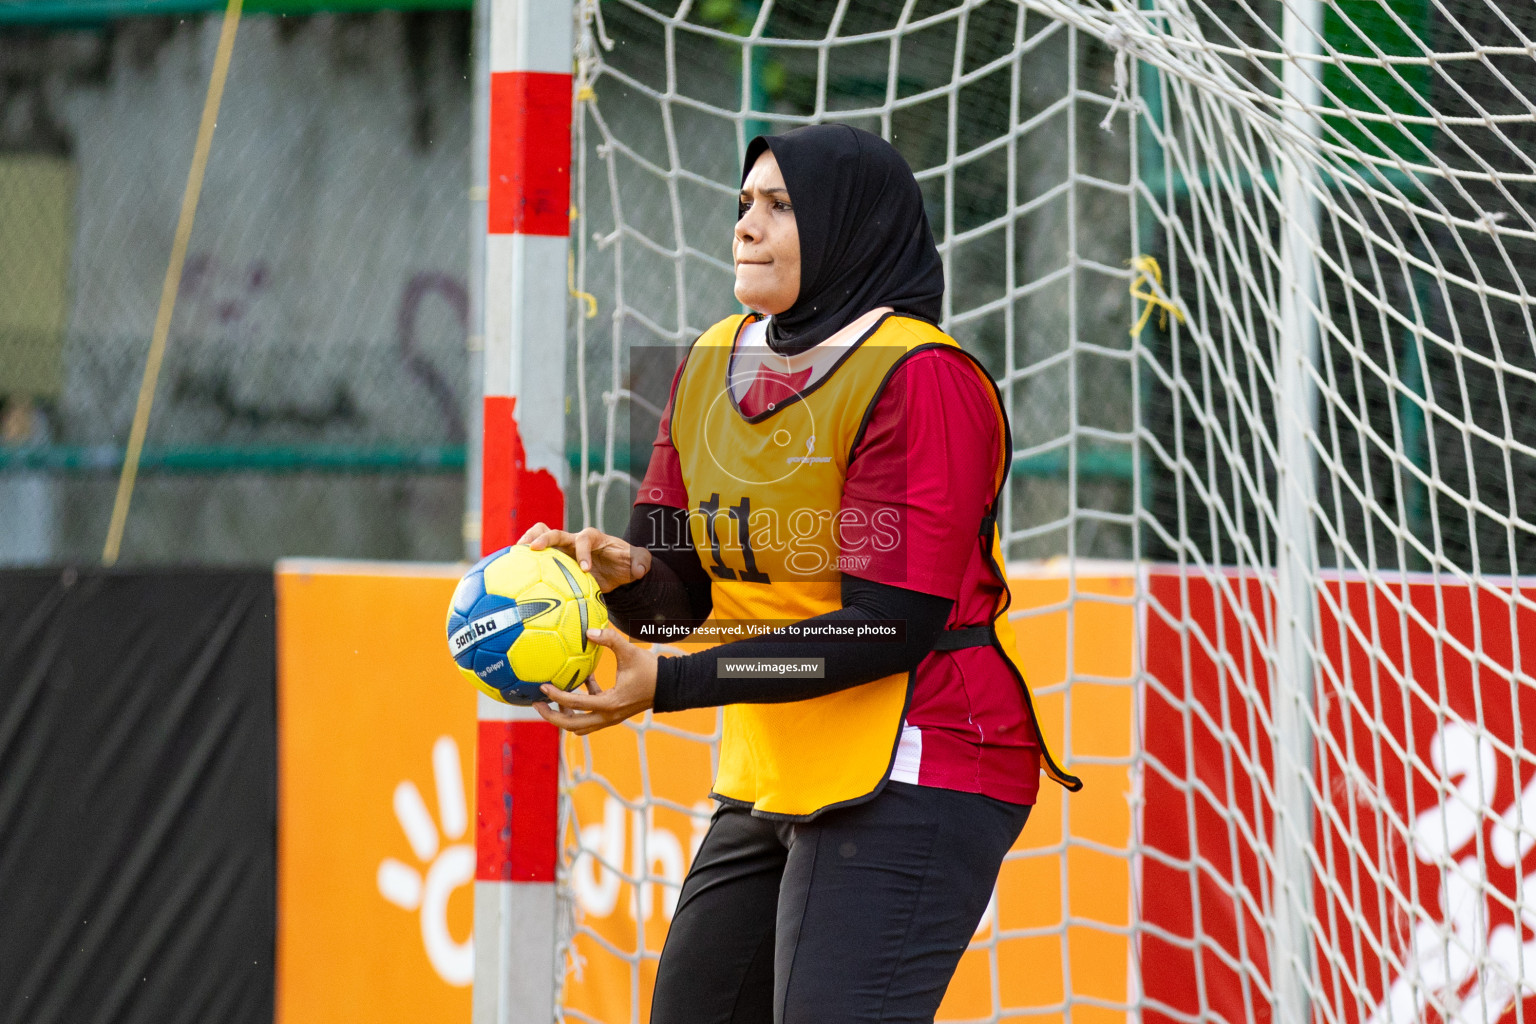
{"x":766,"y":491}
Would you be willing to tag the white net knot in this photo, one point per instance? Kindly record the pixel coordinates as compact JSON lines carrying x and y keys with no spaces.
{"x":591,"y":14}
{"x":592,"y":34}
{"x":1489,"y":222}
{"x":1117,"y":38}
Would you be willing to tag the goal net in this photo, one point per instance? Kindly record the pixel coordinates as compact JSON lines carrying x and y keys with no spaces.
{"x":1251,"y":276}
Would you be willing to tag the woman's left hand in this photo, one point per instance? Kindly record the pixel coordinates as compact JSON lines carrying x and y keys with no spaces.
{"x":633,"y":690}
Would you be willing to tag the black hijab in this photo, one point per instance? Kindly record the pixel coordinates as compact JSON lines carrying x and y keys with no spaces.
{"x":864,"y":236}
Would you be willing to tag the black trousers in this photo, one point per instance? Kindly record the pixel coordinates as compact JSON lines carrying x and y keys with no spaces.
{"x":859,"y":915}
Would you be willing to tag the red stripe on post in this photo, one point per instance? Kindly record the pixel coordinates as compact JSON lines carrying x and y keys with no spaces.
{"x":512,"y":497}
{"x":530,"y":154}
{"x":517,"y":810}
{"x":497,"y":458}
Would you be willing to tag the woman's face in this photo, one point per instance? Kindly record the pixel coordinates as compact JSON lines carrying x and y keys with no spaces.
{"x":767,"y":244}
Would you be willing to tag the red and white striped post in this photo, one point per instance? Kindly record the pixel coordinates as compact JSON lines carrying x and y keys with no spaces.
{"x":528,"y":199}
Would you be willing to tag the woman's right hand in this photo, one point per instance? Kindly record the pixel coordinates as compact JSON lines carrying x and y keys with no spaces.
{"x":612,"y":561}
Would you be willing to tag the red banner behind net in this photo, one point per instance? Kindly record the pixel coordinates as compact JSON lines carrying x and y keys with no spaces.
{"x":1425,"y":814}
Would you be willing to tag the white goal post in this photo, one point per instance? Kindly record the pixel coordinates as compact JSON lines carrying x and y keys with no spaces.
{"x":1256,"y":280}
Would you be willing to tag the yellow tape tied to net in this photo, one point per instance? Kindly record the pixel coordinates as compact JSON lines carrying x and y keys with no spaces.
{"x":1147,"y":285}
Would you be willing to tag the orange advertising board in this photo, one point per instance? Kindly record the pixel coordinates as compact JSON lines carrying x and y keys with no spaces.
{"x":625,"y":887}
{"x":376,"y":750}
{"x":1073,"y":862}
{"x":376,"y":734}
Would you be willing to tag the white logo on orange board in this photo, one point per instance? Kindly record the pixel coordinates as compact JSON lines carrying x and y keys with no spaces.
{"x":628,"y":845}
{"x":446,"y":867}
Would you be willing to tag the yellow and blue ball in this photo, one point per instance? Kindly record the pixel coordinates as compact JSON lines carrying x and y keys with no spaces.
{"x":519,"y":619}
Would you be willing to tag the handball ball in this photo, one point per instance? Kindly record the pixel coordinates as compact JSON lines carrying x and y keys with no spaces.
{"x":519,"y":619}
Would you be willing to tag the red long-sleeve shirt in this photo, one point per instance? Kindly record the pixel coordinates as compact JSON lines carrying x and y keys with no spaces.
{"x":930,"y":449}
